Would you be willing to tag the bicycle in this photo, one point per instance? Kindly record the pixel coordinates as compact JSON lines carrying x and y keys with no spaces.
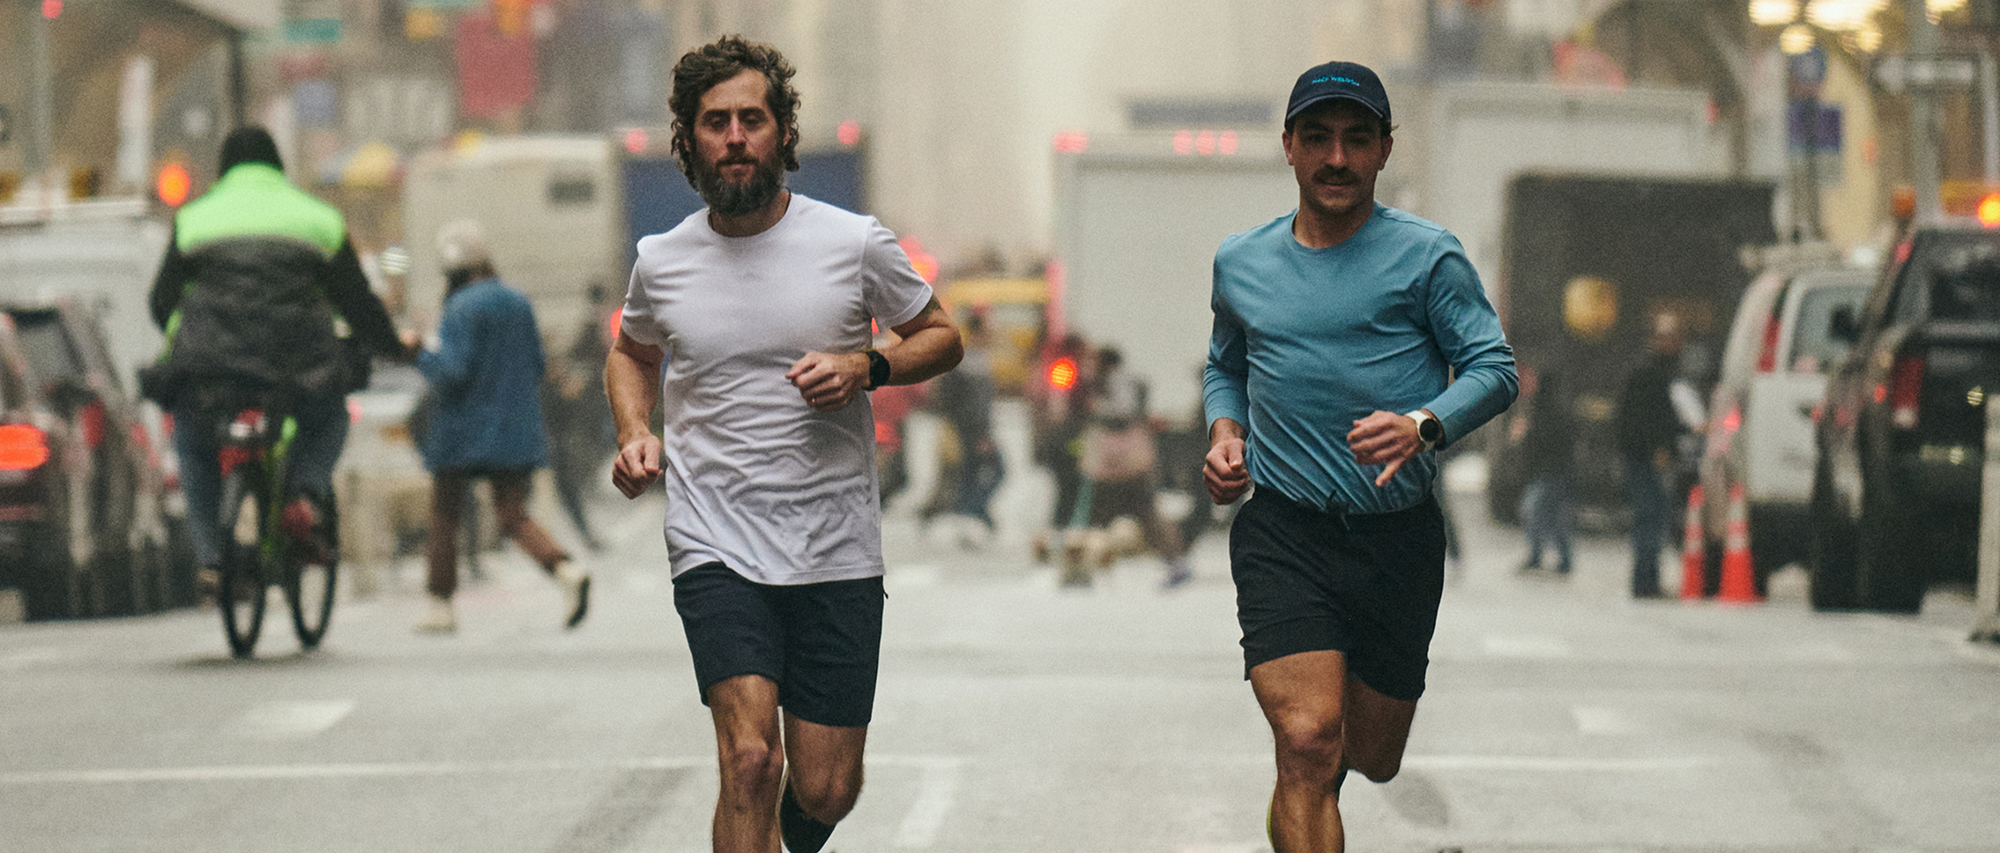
{"x":258,"y":550}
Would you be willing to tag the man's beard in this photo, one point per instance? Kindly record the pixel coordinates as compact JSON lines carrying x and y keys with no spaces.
{"x":725,"y":198}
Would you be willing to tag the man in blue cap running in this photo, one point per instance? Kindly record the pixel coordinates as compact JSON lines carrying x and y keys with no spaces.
{"x":1338,"y":331}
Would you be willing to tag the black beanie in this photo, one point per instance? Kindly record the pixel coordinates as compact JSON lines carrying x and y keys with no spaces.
{"x":249,"y":145}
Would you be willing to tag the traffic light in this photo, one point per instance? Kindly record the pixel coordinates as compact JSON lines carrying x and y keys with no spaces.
{"x":173,"y":184}
{"x":1989,"y":210}
{"x":1062,"y":374}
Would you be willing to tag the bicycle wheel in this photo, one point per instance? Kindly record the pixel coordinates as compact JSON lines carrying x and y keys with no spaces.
{"x":243,"y":580}
{"x":310,"y":571}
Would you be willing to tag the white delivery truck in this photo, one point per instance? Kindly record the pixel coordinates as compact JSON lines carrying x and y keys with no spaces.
{"x":553,"y":213}
{"x":1138,"y":220}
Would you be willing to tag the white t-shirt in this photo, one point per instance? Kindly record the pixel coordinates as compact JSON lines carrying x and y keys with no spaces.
{"x":755,"y":478}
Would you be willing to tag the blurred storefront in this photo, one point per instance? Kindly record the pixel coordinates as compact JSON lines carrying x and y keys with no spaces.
{"x":95,"y":97}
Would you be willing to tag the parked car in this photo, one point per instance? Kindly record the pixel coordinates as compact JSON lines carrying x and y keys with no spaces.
{"x":88,"y":529}
{"x":1900,"y":436}
{"x":1760,"y":430}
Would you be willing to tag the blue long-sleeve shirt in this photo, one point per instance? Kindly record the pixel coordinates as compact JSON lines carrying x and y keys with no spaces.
{"x":1307,"y":341}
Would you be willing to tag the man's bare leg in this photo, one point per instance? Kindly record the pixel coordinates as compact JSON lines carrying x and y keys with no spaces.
{"x":1324,"y":722}
{"x":1377,"y":731}
{"x":823,"y":777}
{"x":752,"y":760}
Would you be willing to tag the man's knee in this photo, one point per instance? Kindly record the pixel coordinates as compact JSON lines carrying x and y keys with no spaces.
{"x":827,"y":797}
{"x":1311,"y":739}
{"x":752,"y":770}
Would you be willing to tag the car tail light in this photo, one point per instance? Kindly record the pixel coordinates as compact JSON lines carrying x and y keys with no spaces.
{"x":1725,"y":432}
{"x":92,"y":420}
{"x":1767,"y":358}
{"x":22,"y":447}
{"x":1906,"y":381}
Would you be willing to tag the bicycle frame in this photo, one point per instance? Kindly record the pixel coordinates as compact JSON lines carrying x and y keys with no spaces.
{"x":254,"y":436}
{"x":247,"y":439}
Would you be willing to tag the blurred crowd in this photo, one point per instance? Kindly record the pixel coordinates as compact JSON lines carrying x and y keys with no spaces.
{"x":1109,"y":456}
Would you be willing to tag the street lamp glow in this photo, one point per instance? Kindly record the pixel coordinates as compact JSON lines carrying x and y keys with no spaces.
{"x":1943,"y":7}
{"x":1840,"y":15}
{"x":1868,"y":39}
{"x":1989,"y":210}
{"x":1773,"y":13}
{"x":1795,"y":39}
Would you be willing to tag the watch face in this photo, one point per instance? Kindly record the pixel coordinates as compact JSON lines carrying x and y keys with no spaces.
{"x":1430,"y":430}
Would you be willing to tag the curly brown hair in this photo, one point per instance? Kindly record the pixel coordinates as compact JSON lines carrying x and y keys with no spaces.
{"x":711,"y":64}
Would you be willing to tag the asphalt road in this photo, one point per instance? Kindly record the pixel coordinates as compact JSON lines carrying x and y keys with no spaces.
{"x":1013,"y":716}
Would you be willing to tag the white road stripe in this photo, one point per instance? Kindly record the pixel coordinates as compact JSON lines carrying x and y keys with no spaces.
{"x":254,"y":772}
{"x":1551,"y":764}
{"x":1602,"y":721}
{"x":28,"y":657}
{"x":291,"y":720}
{"x":937,"y":790}
{"x":1525,"y":646}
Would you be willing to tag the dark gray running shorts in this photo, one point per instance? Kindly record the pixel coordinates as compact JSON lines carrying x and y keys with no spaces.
{"x":821,"y":643}
{"x":1365,"y":585}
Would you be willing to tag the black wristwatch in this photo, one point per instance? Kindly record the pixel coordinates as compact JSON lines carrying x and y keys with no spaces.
{"x":1430,"y":430}
{"x":878,"y":369}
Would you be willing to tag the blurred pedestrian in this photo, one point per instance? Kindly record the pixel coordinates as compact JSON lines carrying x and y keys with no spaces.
{"x":1548,"y":446}
{"x":258,"y":281}
{"x":1649,"y":426}
{"x":487,"y":422}
{"x":579,"y":420}
{"x":892,"y":405}
{"x":1055,"y":398}
{"x":965,"y":398}
{"x":1120,"y":481}
{"x":750,"y":320}
{"x":1338,"y":331}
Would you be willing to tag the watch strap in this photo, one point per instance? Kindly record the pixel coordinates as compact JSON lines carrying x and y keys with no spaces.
{"x":878,"y":369}
{"x":1430,"y":430}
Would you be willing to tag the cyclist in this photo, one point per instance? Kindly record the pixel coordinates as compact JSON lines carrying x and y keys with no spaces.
{"x":261,"y":294}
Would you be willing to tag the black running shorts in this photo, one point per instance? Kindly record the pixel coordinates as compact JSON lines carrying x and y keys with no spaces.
{"x":1364,"y":585}
{"x":820,"y":643}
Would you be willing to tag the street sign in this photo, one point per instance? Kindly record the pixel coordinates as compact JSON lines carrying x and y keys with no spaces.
{"x":1935,"y":71}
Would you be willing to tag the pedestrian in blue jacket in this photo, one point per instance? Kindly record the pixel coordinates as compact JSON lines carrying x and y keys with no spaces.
{"x":486,"y":421}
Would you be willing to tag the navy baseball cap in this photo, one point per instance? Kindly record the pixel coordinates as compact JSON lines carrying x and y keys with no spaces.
{"x":1350,"y":80}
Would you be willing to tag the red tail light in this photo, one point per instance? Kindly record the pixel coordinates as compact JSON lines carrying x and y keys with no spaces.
{"x":1062,"y":374}
{"x":22,"y":448}
{"x":1767,"y":358}
{"x":92,"y":420}
{"x":1906,"y":381}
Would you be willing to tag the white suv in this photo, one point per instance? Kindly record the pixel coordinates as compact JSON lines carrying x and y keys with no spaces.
{"x":1761,"y":413}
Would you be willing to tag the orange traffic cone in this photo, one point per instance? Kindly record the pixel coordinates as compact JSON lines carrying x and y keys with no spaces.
{"x":1739,"y":582}
{"x":1694,"y":548}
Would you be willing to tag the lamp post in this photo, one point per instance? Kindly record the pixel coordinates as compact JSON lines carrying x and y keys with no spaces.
{"x":1923,"y":114}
